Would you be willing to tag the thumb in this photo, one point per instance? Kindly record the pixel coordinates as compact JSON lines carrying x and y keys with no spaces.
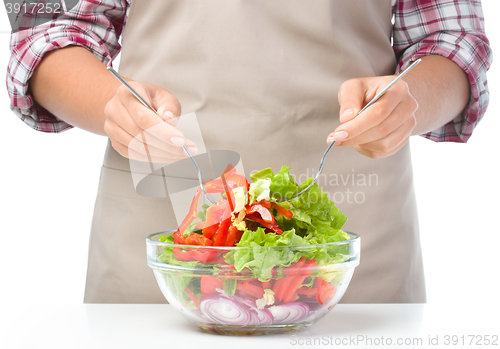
{"x":351,"y":97}
{"x":168,"y":106}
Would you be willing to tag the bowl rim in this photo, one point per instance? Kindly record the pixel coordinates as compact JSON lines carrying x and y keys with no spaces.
{"x":356,"y":239}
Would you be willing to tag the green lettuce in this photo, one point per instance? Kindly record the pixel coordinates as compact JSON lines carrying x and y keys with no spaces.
{"x":316,"y":221}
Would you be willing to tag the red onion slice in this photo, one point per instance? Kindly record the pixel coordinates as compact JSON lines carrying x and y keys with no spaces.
{"x":225,"y":311}
{"x":264,"y":316}
{"x":289,"y":313}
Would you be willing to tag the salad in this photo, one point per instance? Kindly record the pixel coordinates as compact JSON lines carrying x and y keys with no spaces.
{"x":283,"y":270}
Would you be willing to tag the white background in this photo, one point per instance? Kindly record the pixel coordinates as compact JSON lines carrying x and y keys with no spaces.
{"x":49,"y":183}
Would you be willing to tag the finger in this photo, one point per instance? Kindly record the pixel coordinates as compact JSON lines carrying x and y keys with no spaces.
{"x":398,"y":117}
{"x":119,"y":118}
{"x":393,"y":141}
{"x":351,"y":98}
{"x":125,"y":151}
{"x":372,"y":116}
{"x":146,"y":119}
{"x":138,"y":145}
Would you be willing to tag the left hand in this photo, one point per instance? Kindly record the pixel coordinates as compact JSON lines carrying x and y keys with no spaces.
{"x":383,"y":128}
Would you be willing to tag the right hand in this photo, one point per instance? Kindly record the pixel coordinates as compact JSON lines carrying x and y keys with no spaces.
{"x":138,"y":133}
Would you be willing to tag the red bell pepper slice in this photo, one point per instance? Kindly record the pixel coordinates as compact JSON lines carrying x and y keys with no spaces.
{"x":292,"y":288}
{"x":196,"y":255}
{"x":265,"y":203}
{"x":193,"y":298}
{"x":231,"y":236}
{"x":262,"y":211}
{"x":197,"y":239}
{"x":326,"y":291}
{"x":251,"y":289}
{"x":239,"y":234}
{"x":309,"y":292}
{"x":308,"y":267}
{"x":273,"y":226}
{"x":221,"y":234}
{"x":179,"y":238}
{"x":229,"y":193}
{"x":207,"y":256}
{"x":215,"y":214}
{"x":214,"y":186}
{"x":193,"y":213}
{"x":281,"y":286}
{"x":184,"y":255}
{"x":209,"y":285}
{"x":230,"y":176}
{"x":282,"y":210}
{"x":294,"y":269}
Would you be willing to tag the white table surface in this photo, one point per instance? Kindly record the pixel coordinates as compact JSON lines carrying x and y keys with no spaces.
{"x":160,"y":326}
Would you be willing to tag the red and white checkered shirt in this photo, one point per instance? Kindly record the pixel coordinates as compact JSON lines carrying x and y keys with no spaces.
{"x":451,"y":28}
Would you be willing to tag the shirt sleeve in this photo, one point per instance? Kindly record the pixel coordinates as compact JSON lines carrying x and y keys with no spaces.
{"x":453,"y":29}
{"x":93,"y":24}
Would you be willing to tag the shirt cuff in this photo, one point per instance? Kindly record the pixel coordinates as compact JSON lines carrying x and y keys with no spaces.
{"x":25,"y":58}
{"x":473,"y":56}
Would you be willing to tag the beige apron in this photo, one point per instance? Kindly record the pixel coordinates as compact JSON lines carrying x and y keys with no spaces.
{"x":263,"y":77}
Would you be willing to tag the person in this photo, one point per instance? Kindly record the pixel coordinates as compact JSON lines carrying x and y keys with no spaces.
{"x":263,"y":78}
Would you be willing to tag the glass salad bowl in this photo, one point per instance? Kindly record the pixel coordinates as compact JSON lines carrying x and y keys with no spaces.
{"x":253,"y":290}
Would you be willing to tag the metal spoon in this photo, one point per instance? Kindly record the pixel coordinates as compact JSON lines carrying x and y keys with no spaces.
{"x":125,"y":83}
{"x":376,"y":98}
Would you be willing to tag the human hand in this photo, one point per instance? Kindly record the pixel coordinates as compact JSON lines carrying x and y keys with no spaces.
{"x":138,"y":133}
{"x":383,"y":128}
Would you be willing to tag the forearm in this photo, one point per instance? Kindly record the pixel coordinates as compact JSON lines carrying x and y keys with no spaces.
{"x":75,"y":86}
{"x":441,"y":89}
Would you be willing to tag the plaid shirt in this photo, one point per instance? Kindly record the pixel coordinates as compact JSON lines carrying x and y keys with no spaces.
{"x":451,"y":28}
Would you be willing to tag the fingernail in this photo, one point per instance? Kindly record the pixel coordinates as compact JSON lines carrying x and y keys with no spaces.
{"x":340,"y":136}
{"x":193,"y":150}
{"x":177,"y":141}
{"x":168,"y":114}
{"x":347,"y":115}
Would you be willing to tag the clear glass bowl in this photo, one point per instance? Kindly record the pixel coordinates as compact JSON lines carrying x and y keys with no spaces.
{"x":213,"y":295}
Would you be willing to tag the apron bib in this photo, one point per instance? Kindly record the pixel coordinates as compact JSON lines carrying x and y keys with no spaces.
{"x":263,"y":78}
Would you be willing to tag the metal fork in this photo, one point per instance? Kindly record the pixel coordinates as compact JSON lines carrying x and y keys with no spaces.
{"x":376,"y":98}
{"x":126,"y":84}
